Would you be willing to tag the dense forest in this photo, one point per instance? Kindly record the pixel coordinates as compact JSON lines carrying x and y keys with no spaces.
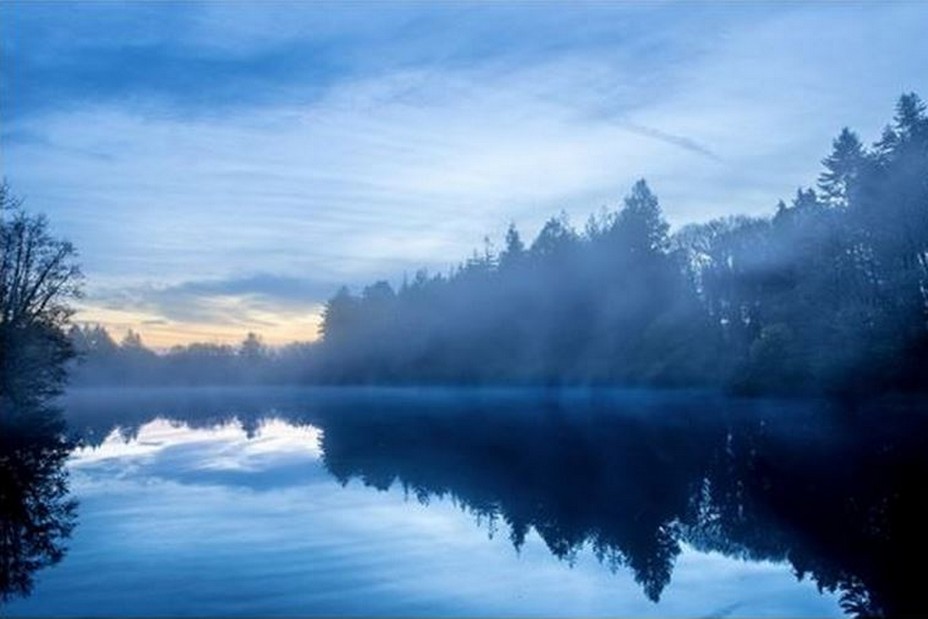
{"x":826,"y":295}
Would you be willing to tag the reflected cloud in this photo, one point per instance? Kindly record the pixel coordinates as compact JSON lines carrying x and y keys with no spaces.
{"x":228,"y":446}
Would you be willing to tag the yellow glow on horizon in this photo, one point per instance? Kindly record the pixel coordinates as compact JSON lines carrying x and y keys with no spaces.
{"x":160,"y":334}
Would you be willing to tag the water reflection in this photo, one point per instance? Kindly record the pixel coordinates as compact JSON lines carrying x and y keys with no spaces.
{"x":37,"y":514}
{"x":838,"y":494}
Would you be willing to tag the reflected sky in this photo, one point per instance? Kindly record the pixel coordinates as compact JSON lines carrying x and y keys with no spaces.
{"x":245,"y":519}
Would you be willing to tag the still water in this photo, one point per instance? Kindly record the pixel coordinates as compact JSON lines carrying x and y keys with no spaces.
{"x":481,"y":502}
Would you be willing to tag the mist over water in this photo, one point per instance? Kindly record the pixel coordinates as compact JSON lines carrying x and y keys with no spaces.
{"x":487,"y":501}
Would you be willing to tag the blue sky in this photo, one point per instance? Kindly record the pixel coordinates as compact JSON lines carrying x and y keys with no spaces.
{"x":225,"y":166}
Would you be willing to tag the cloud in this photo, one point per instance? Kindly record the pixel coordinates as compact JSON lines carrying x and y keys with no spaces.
{"x":279,"y":288}
{"x":206,"y":58}
{"x":235,"y":301}
{"x":379,"y":177}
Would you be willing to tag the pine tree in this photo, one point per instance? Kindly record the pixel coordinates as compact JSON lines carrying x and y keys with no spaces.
{"x":514,"y":253}
{"x":842,"y":168}
{"x":641,"y":223}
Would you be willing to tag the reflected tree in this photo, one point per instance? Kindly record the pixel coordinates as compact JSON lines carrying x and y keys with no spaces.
{"x":37,"y":513}
{"x":841,"y":503}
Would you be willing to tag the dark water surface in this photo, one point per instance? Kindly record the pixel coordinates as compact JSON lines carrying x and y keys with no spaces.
{"x":474,"y":502}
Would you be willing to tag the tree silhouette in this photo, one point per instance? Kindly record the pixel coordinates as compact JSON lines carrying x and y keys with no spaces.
{"x":38,"y":279}
{"x":842,"y":169}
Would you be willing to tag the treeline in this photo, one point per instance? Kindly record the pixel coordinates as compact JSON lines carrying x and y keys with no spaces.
{"x":100,"y":360}
{"x":826,"y":295}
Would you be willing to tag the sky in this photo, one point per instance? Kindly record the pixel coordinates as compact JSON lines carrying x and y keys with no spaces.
{"x":223,"y":167}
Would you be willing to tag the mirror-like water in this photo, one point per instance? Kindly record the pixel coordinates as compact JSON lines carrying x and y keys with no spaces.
{"x":402,"y":502}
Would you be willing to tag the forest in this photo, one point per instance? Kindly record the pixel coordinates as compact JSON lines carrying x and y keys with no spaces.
{"x":826,"y":295}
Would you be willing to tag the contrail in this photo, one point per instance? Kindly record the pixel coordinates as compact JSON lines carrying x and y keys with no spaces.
{"x":683,"y":142}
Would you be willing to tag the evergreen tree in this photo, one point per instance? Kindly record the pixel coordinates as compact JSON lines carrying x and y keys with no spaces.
{"x":640,"y":223}
{"x":514,"y":253}
{"x":842,"y":168}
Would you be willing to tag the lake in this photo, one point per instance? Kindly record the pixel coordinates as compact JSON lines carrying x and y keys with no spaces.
{"x":306,"y":501}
